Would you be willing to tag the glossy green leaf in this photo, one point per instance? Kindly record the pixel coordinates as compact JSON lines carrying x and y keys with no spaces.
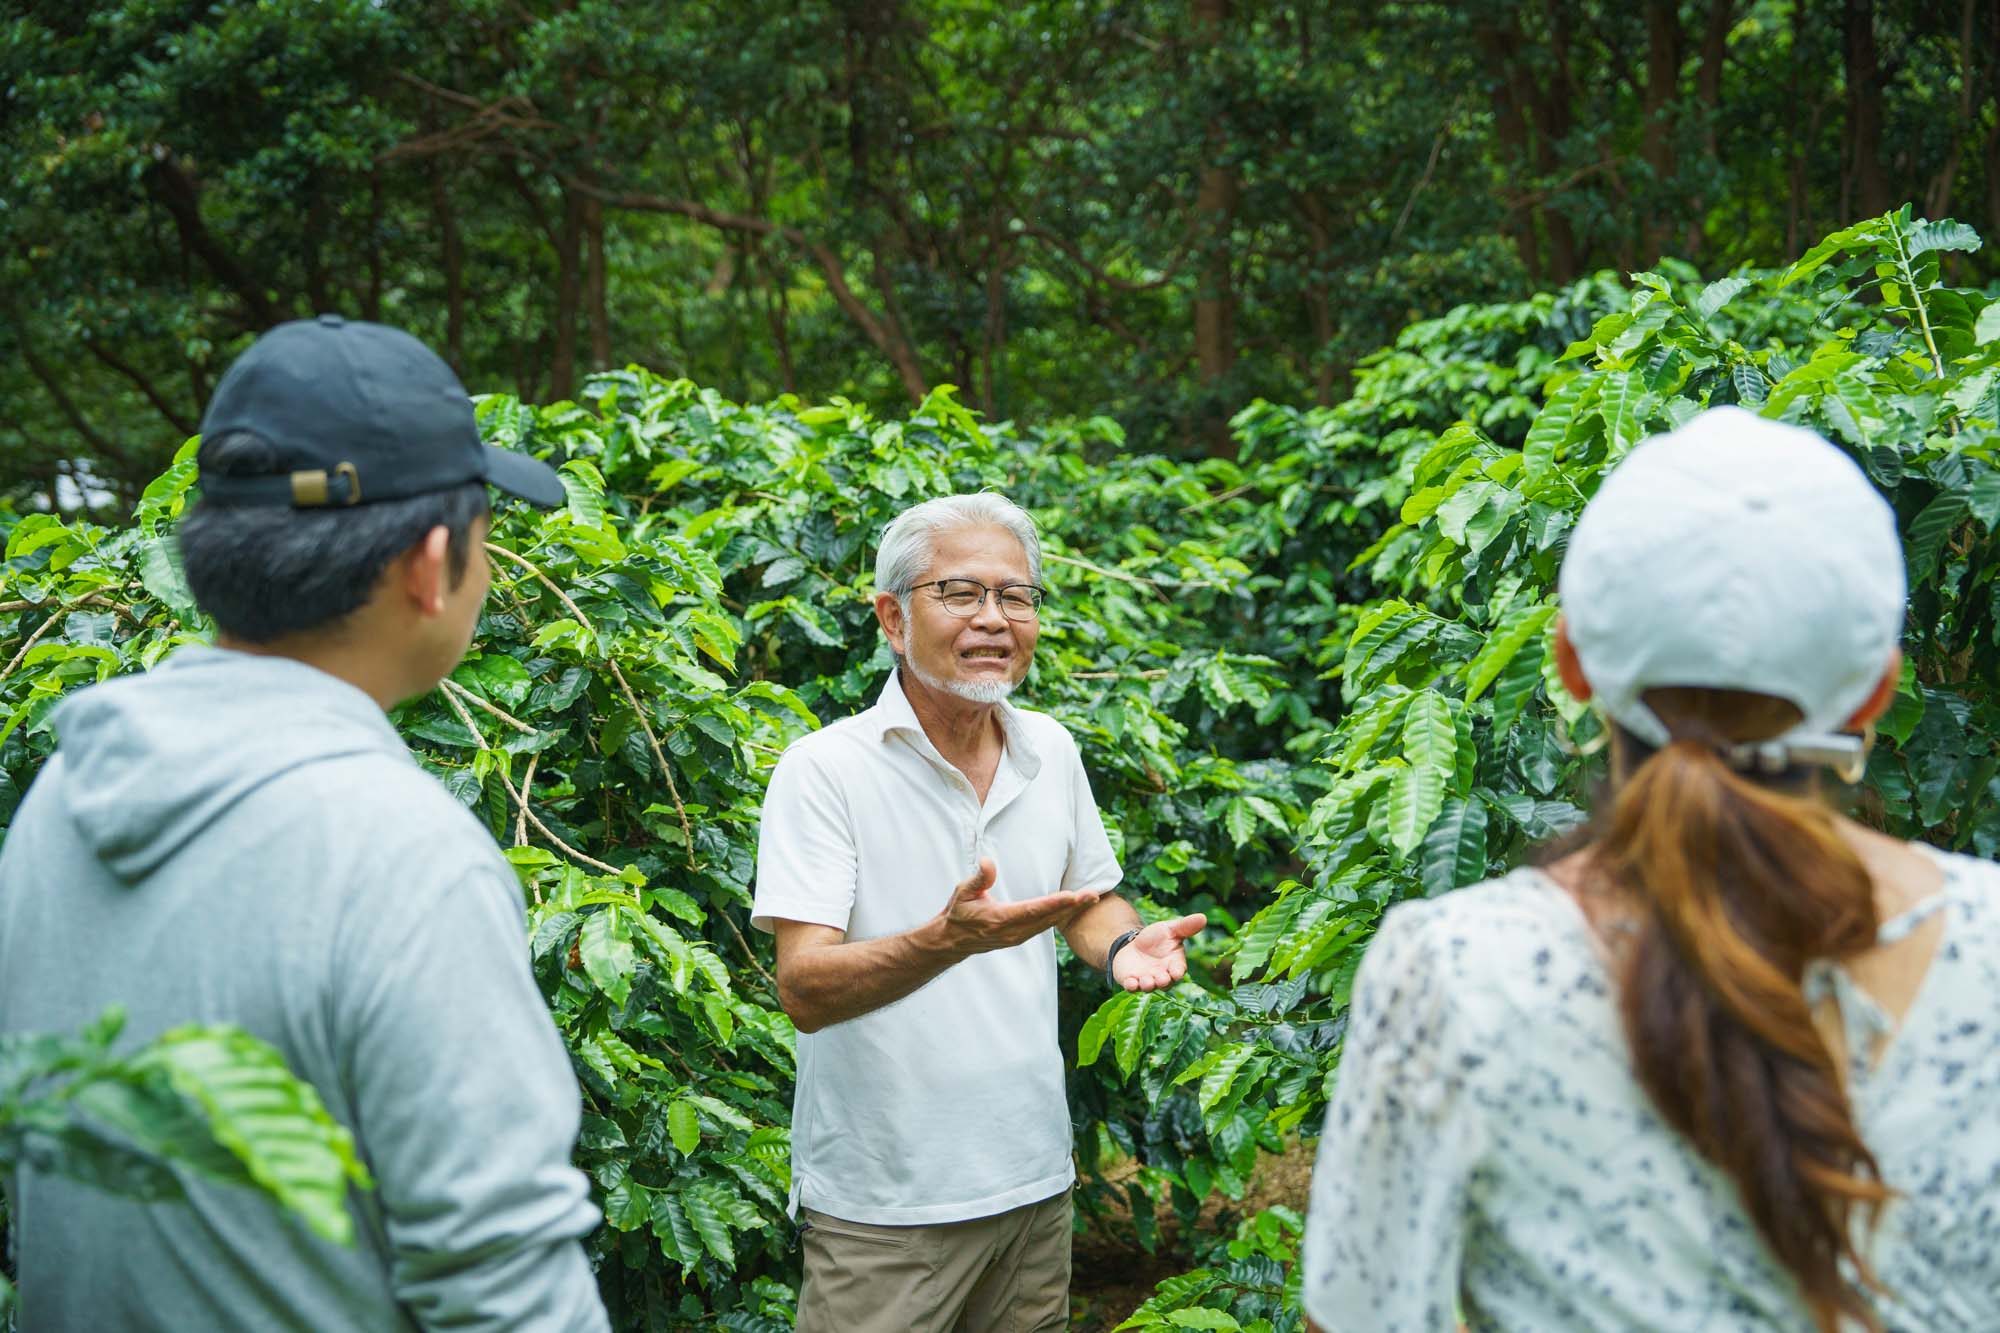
{"x":1430,"y":737}
{"x":273,"y":1123}
{"x":1130,"y":1039}
{"x":1523,"y":625}
{"x":684,"y":1126}
{"x":607,"y":952}
{"x":1416,"y":795}
{"x":1455,"y":848}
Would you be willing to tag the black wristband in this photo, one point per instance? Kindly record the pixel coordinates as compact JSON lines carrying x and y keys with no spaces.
{"x":1112,"y":953}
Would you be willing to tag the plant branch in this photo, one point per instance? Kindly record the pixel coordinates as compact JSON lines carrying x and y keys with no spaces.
{"x":1075,"y":253}
{"x":88,"y":599}
{"x":175,"y":192}
{"x":145,"y":386}
{"x":63,"y":402}
{"x":888,"y":340}
{"x":659,"y":755}
{"x":516,"y":723}
{"x":520,"y":797}
{"x":1437,"y":150}
{"x":748,"y":952}
{"x":521,"y":819}
{"x":55,"y":618}
{"x":1909,"y":268}
{"x":1139,"y":580}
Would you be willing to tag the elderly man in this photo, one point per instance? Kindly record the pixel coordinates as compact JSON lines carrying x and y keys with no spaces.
{"x":930,"y":1138}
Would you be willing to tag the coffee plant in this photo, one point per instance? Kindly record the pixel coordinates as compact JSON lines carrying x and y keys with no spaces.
{"x":1308,"y":682}
{"x":1456,"y":749}
{"x":212,"y":1101}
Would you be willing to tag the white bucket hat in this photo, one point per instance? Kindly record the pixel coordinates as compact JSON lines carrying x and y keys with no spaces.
{"x":1737,"y":553}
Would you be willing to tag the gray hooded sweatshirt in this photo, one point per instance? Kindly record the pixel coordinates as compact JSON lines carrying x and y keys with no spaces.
{"x":243,"y":839}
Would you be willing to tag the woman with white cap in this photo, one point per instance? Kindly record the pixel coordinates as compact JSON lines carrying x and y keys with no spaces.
{"x":1734,"y":1063}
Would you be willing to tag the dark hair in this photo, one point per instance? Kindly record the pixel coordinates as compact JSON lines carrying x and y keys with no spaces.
{"x":265,"y":571}
{"x":1741,"y":883}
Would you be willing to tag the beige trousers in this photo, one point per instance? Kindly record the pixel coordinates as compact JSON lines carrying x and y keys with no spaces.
{"x":1008,"y":1273}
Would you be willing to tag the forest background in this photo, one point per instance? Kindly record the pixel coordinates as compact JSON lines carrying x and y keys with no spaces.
{"x":1152,"y":211}
{"x":1304,"y":329}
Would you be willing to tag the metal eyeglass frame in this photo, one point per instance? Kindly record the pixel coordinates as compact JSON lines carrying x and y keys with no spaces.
{"x":1034,"y":610}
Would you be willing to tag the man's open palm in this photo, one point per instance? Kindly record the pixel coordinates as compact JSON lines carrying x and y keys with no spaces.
{"x":1156,"y":958}
{"x":975,"y":923}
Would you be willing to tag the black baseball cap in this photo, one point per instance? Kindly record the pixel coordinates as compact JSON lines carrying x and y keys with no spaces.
{"x":357,"y":412}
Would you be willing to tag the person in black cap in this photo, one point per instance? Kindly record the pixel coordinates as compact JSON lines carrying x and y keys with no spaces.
{"x":240,"y":837}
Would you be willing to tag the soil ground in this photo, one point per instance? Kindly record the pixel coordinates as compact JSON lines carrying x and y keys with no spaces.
{"x":1113,"y":1276}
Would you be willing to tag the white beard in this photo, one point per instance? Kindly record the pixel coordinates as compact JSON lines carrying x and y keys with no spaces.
{"x":972,"y":691}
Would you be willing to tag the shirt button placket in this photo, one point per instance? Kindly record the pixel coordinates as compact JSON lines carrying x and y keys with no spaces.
{"x":968,"y":821}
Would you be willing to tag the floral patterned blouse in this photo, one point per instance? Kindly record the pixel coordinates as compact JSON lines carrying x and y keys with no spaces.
{"x":1488,"y":1152}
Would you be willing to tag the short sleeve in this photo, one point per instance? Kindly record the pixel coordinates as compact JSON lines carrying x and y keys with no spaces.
{"x":806,"y":863}
{"x":1385,"y":1232}
{"x":1091,"y":862}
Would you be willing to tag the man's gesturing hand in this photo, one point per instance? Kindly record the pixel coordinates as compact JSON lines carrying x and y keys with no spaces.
{"x":974,"y":923}
{"x":1156,"y":958}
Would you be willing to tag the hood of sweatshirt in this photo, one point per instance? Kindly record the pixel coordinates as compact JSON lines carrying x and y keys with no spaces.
{"x":148,"y":762}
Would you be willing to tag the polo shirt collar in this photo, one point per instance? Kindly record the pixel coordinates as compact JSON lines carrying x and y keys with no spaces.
{"x":892,"y":713}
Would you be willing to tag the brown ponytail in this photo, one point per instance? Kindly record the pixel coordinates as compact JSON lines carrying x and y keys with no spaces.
{"x":1741,"y":885}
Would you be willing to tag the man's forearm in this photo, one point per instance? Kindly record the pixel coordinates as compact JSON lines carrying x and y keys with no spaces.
{"x":1090,"y":935}
{"x":824,"y":984}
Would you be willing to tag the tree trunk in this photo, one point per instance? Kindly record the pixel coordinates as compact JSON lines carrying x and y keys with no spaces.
{"x":1215,"y":210}
{"x":1937,"y":201}
{"x":1708,"y":79}
{"x":371,"y":307}
{"x":454,"y":268}
{"x":318,"y":294}
{"x":1553,"y":118}
{"x":1708,"y":98}
{"x":595,"y":297}
{"x":872,"y":88}
{"x":1511,"y":125}
{"x":1993,"y":181}
{"x":198,"y":384}
{"x":569,"y":293}
{"x":180,"y":422}
{"x":1319,"y":304}
{"x":994,"y":335}
{"x":1993,"y":139}
{"x":777,"y":305}
{"x":895,"y":325}
{"x":113,"y":458}
{"x":1864,"y":112}
{"x":1663,"y":76}
{"x":172,"y":189}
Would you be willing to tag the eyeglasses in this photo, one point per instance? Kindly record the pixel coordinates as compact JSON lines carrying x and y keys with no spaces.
{"x":964,"y":597}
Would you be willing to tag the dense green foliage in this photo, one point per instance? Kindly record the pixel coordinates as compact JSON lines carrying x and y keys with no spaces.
{"x":1158,"y":209}
{"x":1454,"y":753}
{"x":1308,"y":681}
{"x":623,"y":704}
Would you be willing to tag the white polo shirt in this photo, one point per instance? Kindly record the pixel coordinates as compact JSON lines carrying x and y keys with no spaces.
{"x":947,"y":1104}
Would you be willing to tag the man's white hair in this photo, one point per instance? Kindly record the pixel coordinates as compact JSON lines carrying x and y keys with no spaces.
{"x":909,"y":543}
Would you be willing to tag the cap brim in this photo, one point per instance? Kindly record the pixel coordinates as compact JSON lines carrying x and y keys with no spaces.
{"x":524,"y":475}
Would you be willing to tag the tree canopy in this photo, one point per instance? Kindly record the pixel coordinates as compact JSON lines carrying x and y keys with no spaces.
{"x":1157,"y":209}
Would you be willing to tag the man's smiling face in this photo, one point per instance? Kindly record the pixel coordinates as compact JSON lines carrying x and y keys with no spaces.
{"x":980,"y":657}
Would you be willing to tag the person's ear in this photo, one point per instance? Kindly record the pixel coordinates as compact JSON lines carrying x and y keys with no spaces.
{"x":1568,"y":667}
{"x":889,"y":613}
{"x":1877,"y":703}
{"x":423,"y":572}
